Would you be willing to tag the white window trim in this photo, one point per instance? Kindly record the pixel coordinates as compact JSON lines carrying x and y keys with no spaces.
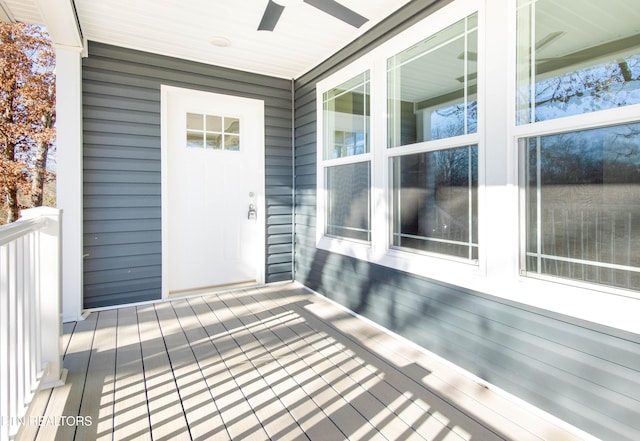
{"x":596,"y":303}
{"x":379,"y":250}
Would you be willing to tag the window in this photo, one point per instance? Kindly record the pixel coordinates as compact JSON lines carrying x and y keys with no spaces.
{"x":406,"y":188}
{"x":347,"y":186}
{"x":583,"y":205}
{"x":581,"y":180}
{"x":348,"y":212}
{"x":213,"y":132}
{"x":346,"y":111}
{"x":432,"y":86}
{"x":575,"y":57}
{"x":435,"y":202}
{"x":432,"y":96}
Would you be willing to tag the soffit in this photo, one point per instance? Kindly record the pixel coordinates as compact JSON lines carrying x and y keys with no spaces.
{"x":303,"y":37}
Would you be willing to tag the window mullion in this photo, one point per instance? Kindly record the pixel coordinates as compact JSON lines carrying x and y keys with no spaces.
{"x":538,"y":206}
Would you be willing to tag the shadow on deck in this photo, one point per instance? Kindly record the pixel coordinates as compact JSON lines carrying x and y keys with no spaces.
{"x":274,"y":363}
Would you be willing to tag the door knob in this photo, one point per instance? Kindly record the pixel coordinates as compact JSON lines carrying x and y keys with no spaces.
{"x":253,"y":214}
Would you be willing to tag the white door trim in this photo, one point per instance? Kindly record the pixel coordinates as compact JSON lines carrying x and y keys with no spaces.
{"x":165,"y":92}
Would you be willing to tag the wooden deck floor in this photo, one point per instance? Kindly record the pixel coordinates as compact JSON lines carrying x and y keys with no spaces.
{"x":274,"y":363}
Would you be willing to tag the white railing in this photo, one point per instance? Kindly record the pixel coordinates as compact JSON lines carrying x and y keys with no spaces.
{"x":30,"y":313}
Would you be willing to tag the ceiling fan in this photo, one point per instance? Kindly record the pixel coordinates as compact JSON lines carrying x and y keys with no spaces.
{"x":274,"y":10}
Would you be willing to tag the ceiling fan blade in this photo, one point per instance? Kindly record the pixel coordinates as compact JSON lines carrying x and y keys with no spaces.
{"x":271,"y":16}
{"x":340,"y":12}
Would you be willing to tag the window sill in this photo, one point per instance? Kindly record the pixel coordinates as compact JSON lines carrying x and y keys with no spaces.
{"x":438,"y":267}
{"x":586,"y":302}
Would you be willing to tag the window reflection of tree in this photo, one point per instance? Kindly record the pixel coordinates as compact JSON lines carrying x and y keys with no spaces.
{"x":564,"y":88}
{"x":589,"y":202}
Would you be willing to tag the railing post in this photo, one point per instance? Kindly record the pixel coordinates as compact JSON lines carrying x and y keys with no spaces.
{"x":50,"y":286}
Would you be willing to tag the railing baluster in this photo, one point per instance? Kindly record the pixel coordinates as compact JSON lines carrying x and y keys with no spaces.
{"x":30,"y":326}
{"x":38,"y":309}
{"x":4,"y":338}
{"x":13,"y":398}
{"x":22,"y":367}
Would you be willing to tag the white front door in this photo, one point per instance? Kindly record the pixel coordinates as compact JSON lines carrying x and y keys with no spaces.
{"x":212,"y":190}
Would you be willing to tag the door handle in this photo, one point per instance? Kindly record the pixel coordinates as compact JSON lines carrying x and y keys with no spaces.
{"x":253,"y":214}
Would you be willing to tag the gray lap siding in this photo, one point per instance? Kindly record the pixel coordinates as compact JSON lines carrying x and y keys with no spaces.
{"x":121,"y":157}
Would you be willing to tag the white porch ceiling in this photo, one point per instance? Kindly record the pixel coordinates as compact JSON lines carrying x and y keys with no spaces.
{"x":304,"y":36}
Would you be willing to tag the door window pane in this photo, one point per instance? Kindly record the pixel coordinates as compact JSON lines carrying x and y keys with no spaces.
{"x":346,"y":111}
{"x":435,"y":202}
{"x":195,"y":121}
{"x":583,"y":205}
{"x":576,"y":57}
{"x":231,"y":125}
{"x":214,"y":123}
{"x":194,"y":139}
{"x":213,"y":132}
{"x":214,"y":141}
{"x":347,"y":208}
{"x":232,"y":142}
{"x":432,"y":86}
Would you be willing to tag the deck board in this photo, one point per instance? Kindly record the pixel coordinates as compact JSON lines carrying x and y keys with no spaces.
{"x":130,"y":412}
{"x":166,"y":413}
{"x":271,"y":363}
{"x":98,"y":393}
{"x":203,"y":413}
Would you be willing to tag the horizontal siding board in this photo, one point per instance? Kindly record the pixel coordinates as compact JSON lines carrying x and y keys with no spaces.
{"x":307,"y":170}
{"x":122,"y":250}
{"x":278,"y":249}
{"x":279,"y":268}
{"x":305,"y":180}
{"x":122,"y":127}
{"x":274,"y":192}
{"x":278,"y":162}
{"x":280,"y":220}
{"x":111,"y":288}
{"x":119,"y":189}
{"x":125,"y":201}
{"x":278,"y":181}
{"x":277,"y":147}
{"x":122,"y":274}
{"x":120,"y":225}
{"x":279,"y":229}
{"x":280,"y":258}
{"x":107,"y":140}
{"x":117,"y":164}
{"x":279,"y":239}
{"x":280,"y":171}
{"x":121,"y":238}
{"x":285,"y":198}
{"x":306,"y":148}
{"x":93,"y":151}
{"x":121,"y":262}
{"x":122,"y":298}
{"x":124,"y":176}
{"x":121,"y":115}
{"x":91,"y":214}
{"x":118,"y":84}
{"x":274,"y":213}
{"x":124,"y":103}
